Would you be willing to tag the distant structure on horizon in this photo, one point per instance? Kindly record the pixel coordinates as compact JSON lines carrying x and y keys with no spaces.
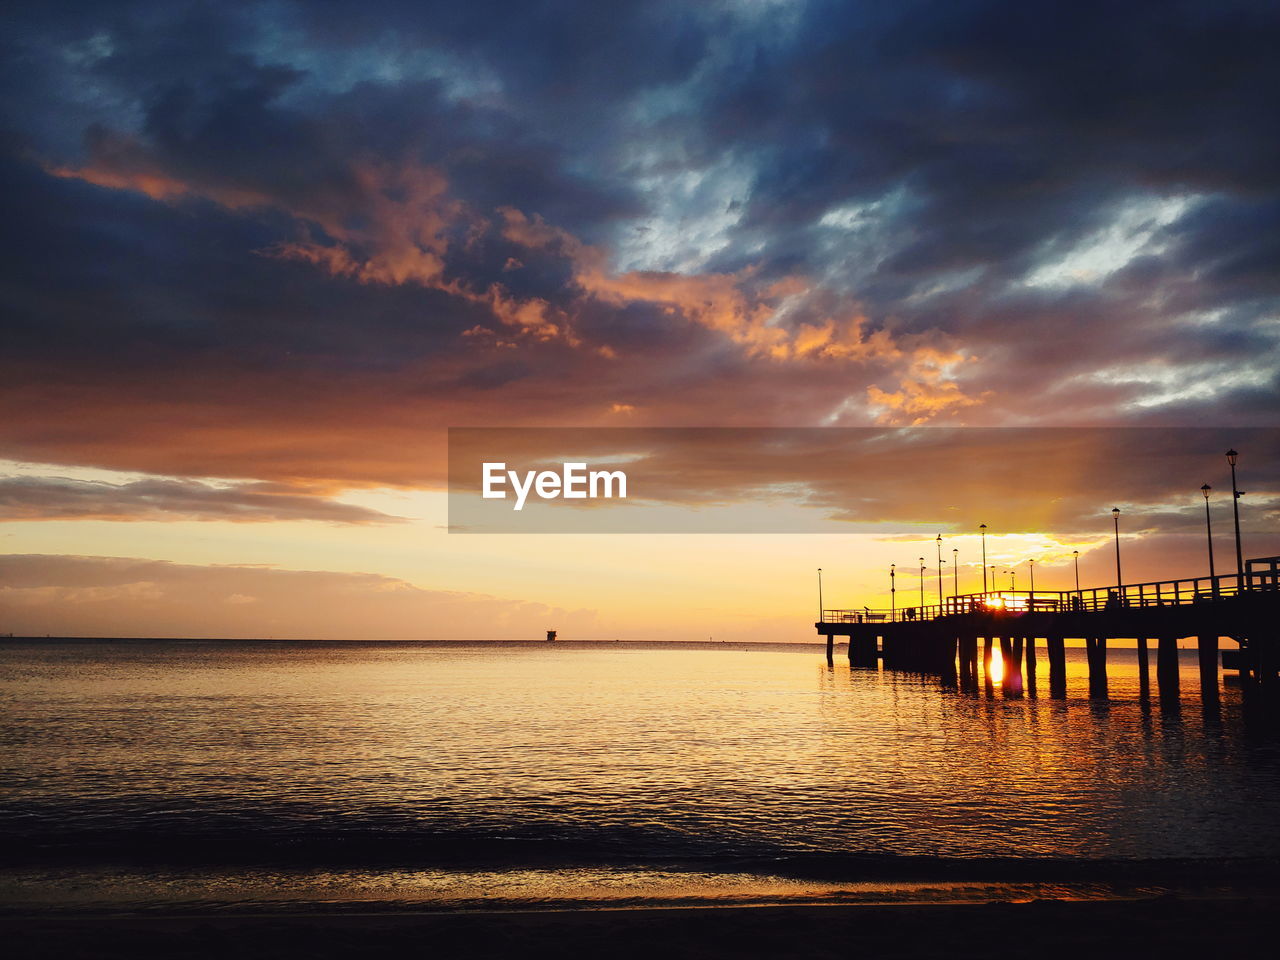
{"x":551,"y":636}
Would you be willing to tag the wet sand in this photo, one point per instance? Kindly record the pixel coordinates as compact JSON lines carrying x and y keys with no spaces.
{"x":1163,"y":927}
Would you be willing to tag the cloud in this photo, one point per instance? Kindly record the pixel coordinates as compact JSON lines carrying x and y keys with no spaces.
{"x":235,"y":255}
{"x":60,"y":498}
{"x":123,"y":597}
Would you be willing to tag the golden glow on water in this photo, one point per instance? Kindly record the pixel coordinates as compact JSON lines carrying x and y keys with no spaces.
{"x":663,"y":769}
{"x":997,"y":664}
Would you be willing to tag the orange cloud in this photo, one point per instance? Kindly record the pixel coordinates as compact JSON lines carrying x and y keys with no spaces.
{"x":406,"y":210}
{"x":392,"y":226}
{"x":784,"y":351}
{"x":120,"y":162}
{"x":926,"y":391}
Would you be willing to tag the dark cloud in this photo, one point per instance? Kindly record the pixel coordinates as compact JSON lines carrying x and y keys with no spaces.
{"x":60,"y":498}
{"x":281,"y":241}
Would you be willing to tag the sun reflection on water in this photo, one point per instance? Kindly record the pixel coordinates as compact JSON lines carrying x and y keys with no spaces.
{"x":996,"y":673}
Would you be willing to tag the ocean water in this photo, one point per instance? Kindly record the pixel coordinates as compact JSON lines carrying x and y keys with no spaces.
{"x":157,"y":774}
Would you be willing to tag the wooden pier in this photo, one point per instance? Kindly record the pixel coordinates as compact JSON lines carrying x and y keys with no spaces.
{"x":944,"y":639}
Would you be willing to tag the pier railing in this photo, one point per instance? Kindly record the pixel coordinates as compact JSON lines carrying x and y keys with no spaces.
{"x":1260,"y":575}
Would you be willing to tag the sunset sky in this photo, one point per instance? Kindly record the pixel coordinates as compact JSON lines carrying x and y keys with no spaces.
{"x":259,"y":257}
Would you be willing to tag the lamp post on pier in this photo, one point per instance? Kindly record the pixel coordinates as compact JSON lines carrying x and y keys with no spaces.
{"x":983,"y":528}
{"x":1075,"y":555}
{"x":1208,"y":530}
{"x":922,"y":587}
{"x":955,"y":573}
{"x":820,"y":595}
{"x":939,"y":543}
{"x":1115,"y":517}
{"x":893,"y":593}
{"x":1032,"y":564}
{"x":1236,"y":494}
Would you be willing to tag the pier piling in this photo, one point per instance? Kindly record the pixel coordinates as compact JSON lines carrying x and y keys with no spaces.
{"x":1144,"y":668}
{"x":1167,"y":667}
{"x":1056,"y":648}
{"x":1096,"y":648}
{"x":863,"y":652}
{"x":1011,"y":650}
{"x":1207,"y":645}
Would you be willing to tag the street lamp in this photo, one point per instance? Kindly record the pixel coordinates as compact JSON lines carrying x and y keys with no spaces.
{"x":993,"y":577}
{"x":893,"y":593}
{"x":820,"y":595}
{"x":922,"y":586}
{"x":1033,"y":581}
{"x":983,"y":528}
{"x":955,"y":573}
{"x":1115,"y":517}
{"x":939,"y":542}
{"x":1075,"y":555}
{"x":1236,"y":494}
{"x":1208,"y":529}
{"x":1012,"y":580}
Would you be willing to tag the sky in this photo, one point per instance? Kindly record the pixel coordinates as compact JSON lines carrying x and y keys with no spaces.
{"x":261,"y":256}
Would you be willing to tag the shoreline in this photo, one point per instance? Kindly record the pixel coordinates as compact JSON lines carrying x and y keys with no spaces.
{"x":1171,"y":925}
{"x":340,"y":910}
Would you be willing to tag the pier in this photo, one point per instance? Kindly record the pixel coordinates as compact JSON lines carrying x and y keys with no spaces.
{"x":945,"y":638}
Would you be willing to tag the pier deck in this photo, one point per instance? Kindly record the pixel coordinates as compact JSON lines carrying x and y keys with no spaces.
{"x":943,"y":637}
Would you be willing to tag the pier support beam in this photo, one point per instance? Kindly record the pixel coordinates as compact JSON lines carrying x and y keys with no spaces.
{"x":862,"y":652}
{"x":1167,"y":669}
{"x":1266,"y":661}
{"x":1144,"y":668}
{"x":1097,"y":654}
{"x":947,"y":661}
{"x":1208,"y":648}
{"x":1030,"y":660}
{"x":831,"y":647}
{"x":1263,"y":660}
{"x":969,"y":661}
{"x":1006,"y":663}
{"x":1011,"y":651}
{"x":1056,"y":646}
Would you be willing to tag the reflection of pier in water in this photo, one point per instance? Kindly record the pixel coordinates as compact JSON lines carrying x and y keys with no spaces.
{"x":943,"y":638}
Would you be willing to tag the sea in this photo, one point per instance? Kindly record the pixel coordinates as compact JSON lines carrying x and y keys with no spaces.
{"x":163,"y":775}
